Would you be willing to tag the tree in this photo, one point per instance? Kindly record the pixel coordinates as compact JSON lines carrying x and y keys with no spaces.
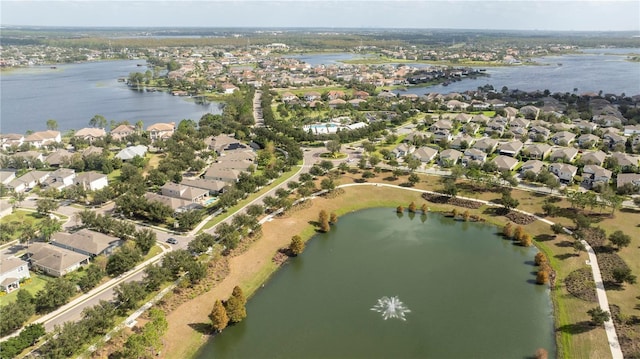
{"x":598,"y":316}
{"x":333,"y":147}
{"x":525,"y":240}
{"x":557,"y":228}
{"x":619,"y":239}
{"x":424,"y":208}
{"x":93,"y":276}
{"x":100,"y":318}
{"x":578,"y":247}
{"x":509,"y":202}
{"x":540,"y":258}
{"x":507,"y":230}
{"x":296,"y":246}
{"x":48,"y":227}
{"x":414,"y":179}
{"x":412,"y":207}
{"x":44,"y":206}
{"x":518,"y":232}
{"x":399,"y":209}
{"x":52,"y":125}
{"x":129,"y":294}
{"x":542,"y":277}
{"x":145,"y":240}
{"x":155,"y":275}
{"x":98,"y":121}
{"x":327,"y":184}
{"x":54,"y":294}
{"x":465,"y":216}
{"x":623,"y":274}
{"x":450,"y":187}
{"x":218,"y":316}
{"x":333,"y":218}
{"x":236,"y":310}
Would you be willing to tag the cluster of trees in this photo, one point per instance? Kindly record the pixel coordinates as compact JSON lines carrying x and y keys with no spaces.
{"x":242,"y":225}
{"x":517,"y":234}
{"x":27,"y":337}
{"x":544,"y":270}
{"x":148,"y":342}
{"x":231,"y":311}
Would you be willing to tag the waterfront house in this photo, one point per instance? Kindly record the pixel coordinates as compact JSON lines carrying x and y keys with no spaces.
{"x":505,"y":163}
{"x":450,"y":157}
{"x":511,"y":148}
{"x":92,"y":181}
{"x":87,"y":242}
{"x":12,"y":271}
{"x":122,"y":131}
{"x":90,"y":134}
{"x":228,"y":88}
{"x":55,"y":261}
{"x":565,"y":172}
{"x":160,"y":130}
{"x":222,"y":143}
{"x":130,"y":152}
{"x":43,"y":138}
{"x":11,"y":140}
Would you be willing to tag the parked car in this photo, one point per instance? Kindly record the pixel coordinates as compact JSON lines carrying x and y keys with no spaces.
{"x":172,"y":241}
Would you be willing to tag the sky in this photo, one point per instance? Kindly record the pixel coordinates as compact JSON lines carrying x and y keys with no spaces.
{"x":572,"y":15}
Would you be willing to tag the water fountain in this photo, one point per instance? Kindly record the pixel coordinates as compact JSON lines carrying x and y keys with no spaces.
{"x":391,"y":308}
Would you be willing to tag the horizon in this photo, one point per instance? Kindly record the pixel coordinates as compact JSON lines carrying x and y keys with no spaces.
{"x":499,"y":15}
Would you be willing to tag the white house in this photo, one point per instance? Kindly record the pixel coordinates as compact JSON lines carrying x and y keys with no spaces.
{"x":564,"y":171}
{"x":12,"y":271}
{"x":92,"y":180}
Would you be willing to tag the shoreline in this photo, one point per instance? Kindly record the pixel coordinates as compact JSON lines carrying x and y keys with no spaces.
{"x":283,"y":228}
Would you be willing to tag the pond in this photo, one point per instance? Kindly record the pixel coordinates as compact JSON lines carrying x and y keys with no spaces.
{"x":469,"y":294}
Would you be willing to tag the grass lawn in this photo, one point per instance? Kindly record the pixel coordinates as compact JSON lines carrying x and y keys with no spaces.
{"x":33,"y":286}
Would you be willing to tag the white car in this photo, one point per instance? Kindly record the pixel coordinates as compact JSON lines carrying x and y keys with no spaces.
{"x":172,"y":241}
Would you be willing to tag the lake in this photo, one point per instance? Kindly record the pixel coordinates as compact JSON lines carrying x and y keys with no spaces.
{"x":72,"y":94}
{"x":471,"y":294}
{"x":590,"y":71}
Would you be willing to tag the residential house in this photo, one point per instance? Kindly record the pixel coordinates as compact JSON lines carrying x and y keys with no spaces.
{"x":495,"y":127}
{"x":566,"y":154}
{"x":7,"y":176}
{"x":193,"y":194}
{"x":130,"y":152}
{"x":631,"y":130}
{"x":11,"y":140}
{"x":288,"y":97}
{"x":539,"y":133}
{"x":425,"y":154}
{"x":53,"y":260}
{"x":613,"y":139}
{"x":334,"y":95}
{"x":228,"y":88}
{"x":312,"y":96}
{"x":356,"y":102}
{"x":361,"y":95}
{"x":456,"y":105}
{"x":534,"y":166}
{"x":92,"y":181}
{"x":12,"y":271}
{"x":337,"y":103}
{"x":87,"y":242}
{"x":510,"y":112}
{"x":537,"y":151}
{"x":633,"y":178}
{"x":27,"y":159}
{"x":529,"y":111}
{"x":58,"y":158}
{"x":505,"y":163}
{"x":214,"y":187}
{"x":474,"y":155}
{"x":90,"y":134}
{"x":222,"y":143}
{"x":626,"y":161}
{"x":486,"y":144}
{"x":403,"y":149}
{"x":480,"y":119}
{"x":442,"y":135}
{"x":594,"y":174}
{"x":565,"y":172}
{"x":593,"y":158}
{"x":441,"y":125}
{"x":60,"y":179}
{"x":43,"y":138}
{"x":122,"y":131}
{"x":462,"y":142}
{"x":450,"y":157}
{"x":497,"y":103}
{"x":6,"y":208}
{"x":519,"y":123}
{"x":217,"y":172}
{"x":563,"y":138}
{"x":588,"y":140}
{"x":470,"y":128}
{"x":160,"y":130}
{"x":585,"y":125}
{"x":28,"y":181}
{"x":510,"y":148}
{"x":178,"y":205}
{"x":463,"y":118}
{"x":92,"y":151}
